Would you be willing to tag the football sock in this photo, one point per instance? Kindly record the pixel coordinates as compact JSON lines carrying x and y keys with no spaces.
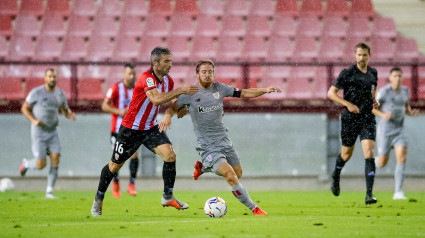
{"x":399,"y":177}
{"x":31,"y":164}
{"x":169,"y":177}
{"x":242,"y":195}
{"x":134,"y":165}
{"x":339,"y":165}
{"x":105,"y":179}
{"x":370,"y":175}
{"x":51,"y":178}
{"x":116,"y":178}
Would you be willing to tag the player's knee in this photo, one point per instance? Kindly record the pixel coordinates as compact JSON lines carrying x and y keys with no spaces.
{"x":231,"y":178}
{"x":346,"y":155}
{"x":170,"y":157}
{"x":239,"y":174}
{"x":369,"y":154}
{"x":41,"y":163}
{"x":114,"y":167}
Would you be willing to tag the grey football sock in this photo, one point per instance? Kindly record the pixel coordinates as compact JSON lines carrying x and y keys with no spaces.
{"x":31,"y":164}
{"x":399,"y":177}
{"x":242,"y":195}
{"x":51,"y":178}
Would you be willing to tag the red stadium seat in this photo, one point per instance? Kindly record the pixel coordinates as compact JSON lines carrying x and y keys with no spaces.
{"x":336,"y":8}
{"x":406,"y":50}
{"x":228,"y":72}
{"x":100,"y":49}
{"x":311,"y":8}
{"x":131,"y":26}
{"x":383,"y":75}
{"x":179,"y":47}
{"x":79,"y":25}
{"x":18,"y":71}
{"x":211,"y":8}
{"x":305,"y":49}
{"x":110,"y":8}
{"x":284,"y":26}
{"x":38,"y":71}
{"x":181,"y":25}
{"x":362,"y":8}
{"x":358,"y":27}
{"x":299,"y":88}
{"x":304,"y":72}
{"x":254,"y":48}
{"x":21,"y":48}
{"x":48,"y":48}
{"x":126,"y":49}
{"x":282,"y":72}
{"x":160,"y":7}
{"x":31,"y":83}
{"x":84,"y":8}
{"x":32,"y":7}
{"x":186,"y":7}
{"x":262,"y":8}
{"x":334,"y":27}
{"x":203,"y":48}
{"x":258,"y":26}
{"x":65,"y":85}
{"x":280,"y":49}
{"x":287,"y":8}
{"x":147,"y":44}
{"x":6,"y":28}
{"x":11,"y":89}
{"x":93,"y":71}
{"x":181,"y":74}
{"x":381,"y":50}
{"x":9,"y":7}
{"x":330,"y":50}
{"x":58,"y":7}
{"x":90,"y":89}
{"x":104,"y":25}
{"x":74,"y":48}
{"x":53,"y":25}
{"x":135,"y":8}
{"x":384,"y":27}
{"x":207,"y":26}
{"x":421,"y":83}
{"x":156,"y":25}
{"x":229,"y":48}
{"x":236,"y":8}
{"x":3,"y":48}
{"x":233,"y":26}
{"x":309,"y":27}
{"x":27,"y":25}
{"x":321,"y":88}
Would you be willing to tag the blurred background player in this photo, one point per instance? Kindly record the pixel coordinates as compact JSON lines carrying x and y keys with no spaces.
{"x":394,"y":104}
{"x":357,"y":120}
{"x":213,"y":144}
{"x":41,"y":107}
{"x":116,"y":102}
{"x":139,"y":126}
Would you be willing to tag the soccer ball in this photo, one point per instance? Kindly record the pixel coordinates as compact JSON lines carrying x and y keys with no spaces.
{"x":215,"y":207}
{"x":6,"y":184}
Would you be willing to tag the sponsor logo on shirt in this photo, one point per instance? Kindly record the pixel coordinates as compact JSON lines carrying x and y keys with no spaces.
{"x":210,"y":109}
{"x":149,"y":82}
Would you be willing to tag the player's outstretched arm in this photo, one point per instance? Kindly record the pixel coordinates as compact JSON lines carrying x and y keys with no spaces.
{"x":333,"y":95}
{"x":256,"y":92}
{"x":169,"y":113}
{"x":109,"y":108}
{"x":160,"y":98}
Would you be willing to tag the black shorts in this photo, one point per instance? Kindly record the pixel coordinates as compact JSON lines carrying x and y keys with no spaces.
{"x":353,"y":126}
{"x":128,"y":141}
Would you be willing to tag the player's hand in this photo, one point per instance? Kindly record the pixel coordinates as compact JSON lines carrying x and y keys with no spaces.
{"x":37,"y":123}
{"x":375,"y":104}
{"x":353,"y":108}
{"x":165,"y":124}
{"x":182,"y":112}
{"x":72,"y":116}
{"x":123,"y":112}
{"x":387,"y":116}
{"x":272,"y":89}
{"x":414,"y":113}
{"x":189,"y":89}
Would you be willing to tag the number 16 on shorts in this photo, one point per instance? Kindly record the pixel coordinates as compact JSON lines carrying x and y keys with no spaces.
{"x":118,"y":150}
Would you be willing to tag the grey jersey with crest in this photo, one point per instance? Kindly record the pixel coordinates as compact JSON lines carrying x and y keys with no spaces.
{"x":395,"y":102}
{"x":206,"y":111}
{"x":45,"y":106}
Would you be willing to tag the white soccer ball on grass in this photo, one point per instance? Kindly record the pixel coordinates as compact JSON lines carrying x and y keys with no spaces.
{"x":215,"y":207}
{"x":6,"y":184}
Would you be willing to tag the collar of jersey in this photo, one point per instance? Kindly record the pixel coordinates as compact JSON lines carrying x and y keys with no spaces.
{"x":157,"y":79}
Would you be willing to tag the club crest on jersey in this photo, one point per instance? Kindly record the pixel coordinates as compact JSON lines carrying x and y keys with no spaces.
{"x":149,"y":82}
{"x":216,"y":95}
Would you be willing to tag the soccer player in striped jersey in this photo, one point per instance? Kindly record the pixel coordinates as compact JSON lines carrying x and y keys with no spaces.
{"x":116,"y":102}
{"x":139,"y":126}
{"x":213,"y":144}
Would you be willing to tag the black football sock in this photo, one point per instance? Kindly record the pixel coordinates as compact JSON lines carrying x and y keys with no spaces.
{"x":338,"y":166}
{"x":116,"y":178}
{"x":105,"y":179}
{"x":134,"y":165}
{"x":169,"y":177}
{"x":370,"y":175}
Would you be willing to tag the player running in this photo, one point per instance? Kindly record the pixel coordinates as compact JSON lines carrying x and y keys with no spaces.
{"x":41,"y":108}
{"x":116,"y":102}
{"x":139,"y":126}
{"x":394,"y":104}
{"x":357,"y":120}
{"x":213,"y":145}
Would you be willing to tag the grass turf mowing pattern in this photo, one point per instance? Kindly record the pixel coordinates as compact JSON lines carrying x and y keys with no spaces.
{"x":291,"y":214}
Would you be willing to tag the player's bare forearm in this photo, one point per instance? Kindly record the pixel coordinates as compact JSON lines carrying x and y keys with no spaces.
{"x":160,"y":98}
{"x":27,"y":111}
{"x":68,"y":113}
{"x":107,"y":107}
{"x":256,"y":92}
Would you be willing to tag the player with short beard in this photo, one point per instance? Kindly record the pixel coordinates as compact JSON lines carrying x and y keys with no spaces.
{"x":213,"y":145}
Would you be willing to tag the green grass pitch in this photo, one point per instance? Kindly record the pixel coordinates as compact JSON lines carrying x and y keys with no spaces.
{"x":291,"y":214}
